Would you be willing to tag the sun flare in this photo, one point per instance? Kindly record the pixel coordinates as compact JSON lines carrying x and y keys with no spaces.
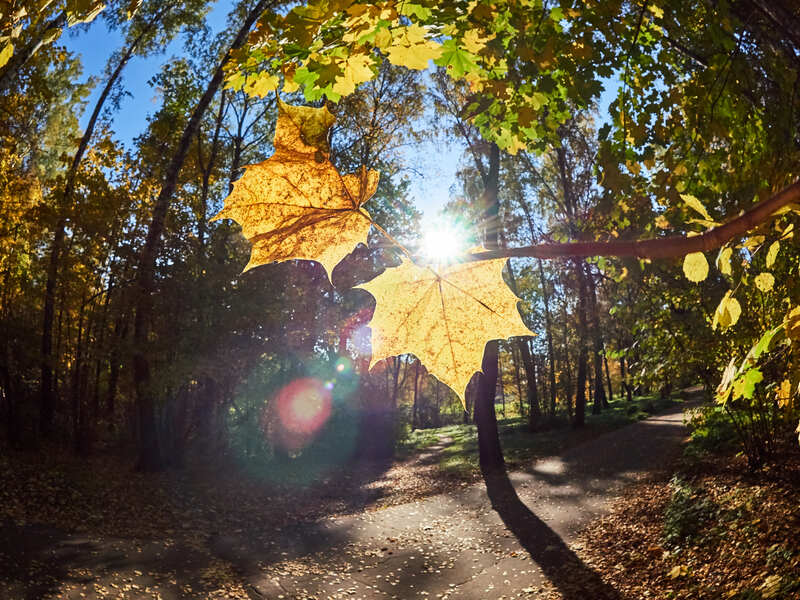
{"x":442,"y":243}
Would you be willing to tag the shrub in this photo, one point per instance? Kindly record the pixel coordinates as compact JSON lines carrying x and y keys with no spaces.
{"x":689,"y":511}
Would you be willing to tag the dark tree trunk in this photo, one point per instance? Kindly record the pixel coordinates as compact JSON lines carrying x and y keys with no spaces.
{"x":149,"y":458}
{"x":75,"y":388}
{"x":600,"y":400}
{"x":580,"y":397}
{"x":608,"y":376}
{"x":490,"y":451}
{"x":47,"y":402}
{"x":567,"y":362}
{"x":626,"y":384}
{"x":534,"y":413}
{"x":500,"y":388}
{"x":414,"y":421}
{"x":515,"y":356}
{"x":548,"y":325}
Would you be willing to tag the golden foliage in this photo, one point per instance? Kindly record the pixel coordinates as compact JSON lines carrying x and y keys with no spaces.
{"x":296,"y":205}
{"x":444,"y":318}
{"x":695,"y":267}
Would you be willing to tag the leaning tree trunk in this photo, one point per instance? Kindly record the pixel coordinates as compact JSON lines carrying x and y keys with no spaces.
{"x":149,"y":458}
{"x":47,"y":391}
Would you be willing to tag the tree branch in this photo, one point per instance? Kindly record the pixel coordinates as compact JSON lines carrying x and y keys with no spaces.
{"x":666,"y":247}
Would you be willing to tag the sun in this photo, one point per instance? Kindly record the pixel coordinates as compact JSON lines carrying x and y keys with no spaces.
{"x":442,"y":242}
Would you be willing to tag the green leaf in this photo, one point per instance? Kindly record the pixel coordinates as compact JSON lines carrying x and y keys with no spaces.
{"x":421,"y":12}
{"x":457,"y":61}
{"x":745,"y":385}
{"x":763,"y":344}
{"x":695,"y":267}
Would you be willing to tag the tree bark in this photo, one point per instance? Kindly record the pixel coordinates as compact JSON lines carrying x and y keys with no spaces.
{"x":567,"y":363}
{"x":414,"y":422}
{"x":548,"y":324}
{"x":47,"y":391}
{"x":535,"y":413}
{"x":489,"y":449}
{"x":673,"y":246}
{"x":608,"y":376}
{"x":149,"y":455}
{"x":580,"y":396}
{"x":600,"y":400}
{"x":515,"y":357}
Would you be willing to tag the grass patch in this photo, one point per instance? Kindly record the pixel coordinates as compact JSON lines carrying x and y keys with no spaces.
{"x":459,"y":457}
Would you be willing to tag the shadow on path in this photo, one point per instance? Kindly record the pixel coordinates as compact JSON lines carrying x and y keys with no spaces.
{"x":572,"y":577}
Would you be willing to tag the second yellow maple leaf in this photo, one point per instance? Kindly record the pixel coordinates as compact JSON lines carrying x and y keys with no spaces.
{"x":444,"y":318}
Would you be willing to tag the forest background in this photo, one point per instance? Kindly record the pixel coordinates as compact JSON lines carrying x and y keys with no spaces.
{"x":126,"y":322}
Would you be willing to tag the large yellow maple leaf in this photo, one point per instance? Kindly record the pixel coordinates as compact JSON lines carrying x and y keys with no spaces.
{"x":295,"y":204}
{"x":444,"y":317}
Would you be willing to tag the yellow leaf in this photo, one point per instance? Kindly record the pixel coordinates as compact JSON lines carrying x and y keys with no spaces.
{"x":792,"y":323}
{"x":724,"y":387}
{"x":661,"y":222}
{"x":383,"y":39}
{"x":765,"y":281}
{"x":784,"y":393}
{"x":771,"y":586}
{"x":355,"y":70}
{"x":695,"y":266}
{"x":753,"y":242}
{"x":411,"y":35}
{"x":772,"y":253}
{"x":262,"y":85}
{"x":696,"y":205}
{"x":6,"y":53}
{"x":678,"y":571}
{"x":658,"y":13}
{"x":727,"y":313}
{"x":410,"y":48}
{"x":724,"y":260}
{"x":473,"y":42}
{"x":296,"y":204}
{"x":133,"y":8}
{"x":444,"y":318}
{"x":414,"y":57}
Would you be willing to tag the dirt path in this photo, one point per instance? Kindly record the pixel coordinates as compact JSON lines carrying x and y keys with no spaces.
{"x":464,"y":544}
